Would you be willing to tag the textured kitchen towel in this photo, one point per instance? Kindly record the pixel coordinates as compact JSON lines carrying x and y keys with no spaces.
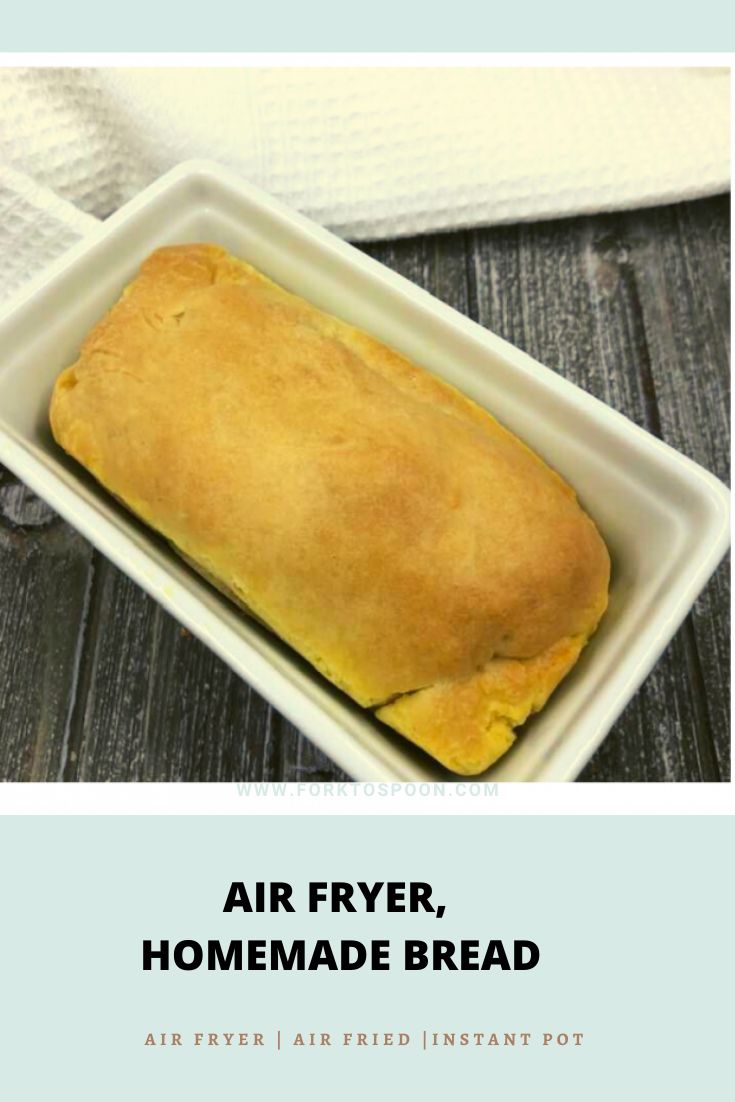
{"x":379,"y":152}
{"x":36,"y":226}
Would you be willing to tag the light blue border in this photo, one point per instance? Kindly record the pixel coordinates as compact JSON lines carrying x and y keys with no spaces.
{"x":333,"y":25}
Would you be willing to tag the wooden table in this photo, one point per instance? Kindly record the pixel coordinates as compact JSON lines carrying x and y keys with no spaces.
{"x":98,"y":683}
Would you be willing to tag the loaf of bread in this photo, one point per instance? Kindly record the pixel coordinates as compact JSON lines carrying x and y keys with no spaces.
{"x":416,"y":552}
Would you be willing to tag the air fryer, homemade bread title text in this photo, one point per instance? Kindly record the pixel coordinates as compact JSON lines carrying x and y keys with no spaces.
{"x":345,"y":955}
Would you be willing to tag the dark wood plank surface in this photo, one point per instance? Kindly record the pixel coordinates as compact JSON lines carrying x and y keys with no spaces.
{"x":98,"y":683}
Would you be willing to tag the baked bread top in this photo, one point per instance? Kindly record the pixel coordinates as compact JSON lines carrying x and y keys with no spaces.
{"x":380,"y":522}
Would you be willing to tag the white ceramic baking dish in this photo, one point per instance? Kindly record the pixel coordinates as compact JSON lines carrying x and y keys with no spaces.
{"x":664,"y":518}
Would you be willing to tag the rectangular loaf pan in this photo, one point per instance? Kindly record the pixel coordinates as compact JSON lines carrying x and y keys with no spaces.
{"x":664,"y":518}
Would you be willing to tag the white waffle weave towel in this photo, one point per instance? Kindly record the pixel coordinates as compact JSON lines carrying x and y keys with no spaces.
{"x":367,"y":152}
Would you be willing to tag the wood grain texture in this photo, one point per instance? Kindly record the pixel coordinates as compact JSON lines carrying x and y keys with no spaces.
{"x":98,"y":683}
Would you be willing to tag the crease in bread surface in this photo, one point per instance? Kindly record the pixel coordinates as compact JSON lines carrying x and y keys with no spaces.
{"x":393,"y":532}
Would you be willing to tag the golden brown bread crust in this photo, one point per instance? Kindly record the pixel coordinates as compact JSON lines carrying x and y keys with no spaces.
{"x":380,"y":522}
{"x":468,"y":723}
